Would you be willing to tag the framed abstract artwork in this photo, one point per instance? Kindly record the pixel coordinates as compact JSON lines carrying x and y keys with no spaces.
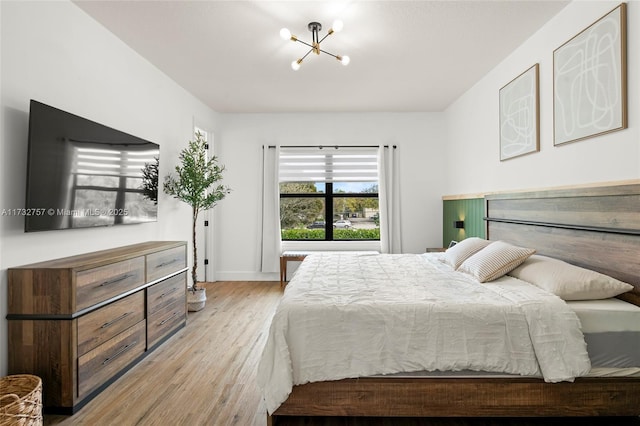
{"x":520,"y":115}
{"x":589,"y":80}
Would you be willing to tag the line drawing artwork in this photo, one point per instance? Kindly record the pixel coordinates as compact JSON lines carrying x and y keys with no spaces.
{"x":588,"y":82}
{"x":519,"y":115}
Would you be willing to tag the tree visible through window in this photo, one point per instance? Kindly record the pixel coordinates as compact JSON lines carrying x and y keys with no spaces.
{"x":329,"y":194}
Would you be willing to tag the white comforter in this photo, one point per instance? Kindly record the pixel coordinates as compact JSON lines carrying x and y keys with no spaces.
{"x":348,"y":315}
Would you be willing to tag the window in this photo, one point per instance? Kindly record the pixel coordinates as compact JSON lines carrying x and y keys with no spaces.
{"x":329,"y":194}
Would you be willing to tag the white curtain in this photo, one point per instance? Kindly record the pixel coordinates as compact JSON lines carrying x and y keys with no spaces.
{"x":270,"y":243}
{"x":389,"y":193}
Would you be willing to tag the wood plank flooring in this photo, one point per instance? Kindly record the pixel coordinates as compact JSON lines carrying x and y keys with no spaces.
{"x":205,"y":375}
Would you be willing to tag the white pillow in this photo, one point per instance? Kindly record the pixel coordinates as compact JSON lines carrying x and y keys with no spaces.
{"x":495,"y":260}
{"x":454,"y":256}
{"x":567,"y":281}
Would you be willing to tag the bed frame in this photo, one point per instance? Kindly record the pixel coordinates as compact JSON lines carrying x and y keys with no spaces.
{"x":596,"y":227}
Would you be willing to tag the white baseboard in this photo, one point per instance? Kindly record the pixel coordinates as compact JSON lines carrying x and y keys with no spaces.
{"x":247,"y":276}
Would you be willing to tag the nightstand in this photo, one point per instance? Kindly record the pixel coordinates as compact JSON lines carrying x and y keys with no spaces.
{"x":435,"y":249}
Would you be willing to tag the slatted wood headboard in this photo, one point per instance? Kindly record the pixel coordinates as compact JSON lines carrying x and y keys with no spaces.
{"x":596,"y":227}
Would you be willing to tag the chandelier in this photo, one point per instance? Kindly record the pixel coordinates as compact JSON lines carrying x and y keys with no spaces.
{"x":315,"y":28}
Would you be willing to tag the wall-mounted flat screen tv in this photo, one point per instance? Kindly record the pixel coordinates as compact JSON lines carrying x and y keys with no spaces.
{"x":83,"y":174}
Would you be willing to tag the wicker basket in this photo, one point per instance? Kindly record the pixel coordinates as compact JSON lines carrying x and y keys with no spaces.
{"x":20,"y":400}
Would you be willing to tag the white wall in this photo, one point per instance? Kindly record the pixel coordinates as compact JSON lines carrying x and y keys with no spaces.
{"x":473,"y":130}
{"x":420,"y":139}
{"x":55,"y":53}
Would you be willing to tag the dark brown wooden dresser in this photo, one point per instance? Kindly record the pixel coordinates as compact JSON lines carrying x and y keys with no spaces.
{"x":81,"y":322}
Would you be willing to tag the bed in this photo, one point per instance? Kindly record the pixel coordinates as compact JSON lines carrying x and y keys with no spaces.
{"x":596,"y":228}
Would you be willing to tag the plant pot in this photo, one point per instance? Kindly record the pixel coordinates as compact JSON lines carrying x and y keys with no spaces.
{"x":196,"y":299}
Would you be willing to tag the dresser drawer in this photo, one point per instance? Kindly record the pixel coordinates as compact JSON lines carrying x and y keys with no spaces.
{"x":102,"y":324}
{"x":166,"y":292}
{"x":165,"y":320}
{"x":99,"y":365}
{"x":165,"y":262}
{"x":102,"y":283}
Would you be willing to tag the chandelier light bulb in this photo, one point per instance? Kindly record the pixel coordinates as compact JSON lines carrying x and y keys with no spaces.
{"x":285,"y":34}
{"x":345,"y":60}
{"x":295,"y":65}
{"x":337,"y":25}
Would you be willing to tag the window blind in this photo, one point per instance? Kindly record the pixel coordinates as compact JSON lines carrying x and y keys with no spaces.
{"x":91,"y":161}
{"x":328,"y":164}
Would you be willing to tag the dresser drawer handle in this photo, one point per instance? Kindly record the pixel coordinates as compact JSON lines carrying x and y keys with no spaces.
{"x":164,"y":321}
{"x":120,"y":352}
{"x":113,"y":321}
{"x":116,"y":280}
{"x":173,"y":290}
{"x":163,"y":264}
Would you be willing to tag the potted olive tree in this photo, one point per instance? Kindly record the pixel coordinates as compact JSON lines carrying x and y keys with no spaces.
{"x":195,"y":182}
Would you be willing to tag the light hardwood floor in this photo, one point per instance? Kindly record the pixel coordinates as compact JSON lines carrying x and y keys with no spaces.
{"x":205,"y":375}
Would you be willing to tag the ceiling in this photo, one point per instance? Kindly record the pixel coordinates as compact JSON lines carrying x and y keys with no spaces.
{"x":405,"y":55}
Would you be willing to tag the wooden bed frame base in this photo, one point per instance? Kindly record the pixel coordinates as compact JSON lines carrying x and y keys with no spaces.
{"x":594,"y":227}
{"x":454,"y":397}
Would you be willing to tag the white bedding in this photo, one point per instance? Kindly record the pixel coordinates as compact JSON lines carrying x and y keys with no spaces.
{"x":601,"y":316}
{"x":345,"y":315}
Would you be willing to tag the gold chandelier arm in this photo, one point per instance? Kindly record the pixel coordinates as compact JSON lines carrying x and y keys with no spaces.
{"x":304,"y":42}
{"x":306,"y":54}
{"x":315,"y":48}
{"x":330,"y":54}
{"x":325,"y":36}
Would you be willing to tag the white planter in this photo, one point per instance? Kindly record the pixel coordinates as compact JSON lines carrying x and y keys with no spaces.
{"x":196,"y":299}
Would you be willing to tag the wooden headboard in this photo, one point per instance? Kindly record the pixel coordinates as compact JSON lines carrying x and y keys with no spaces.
{"x":596,"y":227}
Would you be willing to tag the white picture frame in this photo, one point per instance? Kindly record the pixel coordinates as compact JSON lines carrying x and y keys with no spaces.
{"x":520,"y":115}
{"x":590,"y":80}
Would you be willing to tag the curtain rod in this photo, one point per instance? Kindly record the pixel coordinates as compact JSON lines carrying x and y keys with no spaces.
{"x":332,"y":146}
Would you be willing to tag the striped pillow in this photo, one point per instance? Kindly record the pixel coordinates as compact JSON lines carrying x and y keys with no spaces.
{"x":495,"y":260}
{"x":457,"y":254}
